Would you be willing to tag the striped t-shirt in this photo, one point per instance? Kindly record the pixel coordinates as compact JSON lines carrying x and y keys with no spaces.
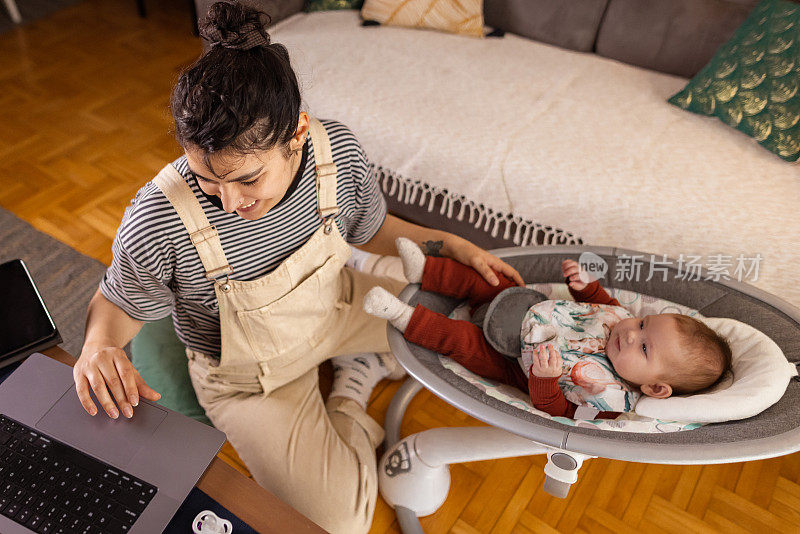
{"x":156,"y":270}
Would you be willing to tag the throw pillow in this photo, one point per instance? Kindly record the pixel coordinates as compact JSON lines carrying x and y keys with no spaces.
{"x":330,"y":5}
{"x":160,"y":358}
{"x":752,"y":81}
{"x":464,"y":17}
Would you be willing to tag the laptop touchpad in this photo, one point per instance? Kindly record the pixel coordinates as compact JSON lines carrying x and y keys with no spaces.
{"x":114,"y":441}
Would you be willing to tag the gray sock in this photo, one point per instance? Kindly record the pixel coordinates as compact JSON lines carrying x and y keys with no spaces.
{"x":355,"y":376}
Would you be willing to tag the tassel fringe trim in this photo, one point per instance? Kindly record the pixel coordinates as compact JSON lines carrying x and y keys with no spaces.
{"x":525,"y":233}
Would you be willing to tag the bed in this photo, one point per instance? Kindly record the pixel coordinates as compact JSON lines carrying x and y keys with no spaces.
{"x":536,"y":144}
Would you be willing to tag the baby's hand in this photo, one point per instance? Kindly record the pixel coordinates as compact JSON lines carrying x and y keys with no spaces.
{"x":572,"y":272}
{"x":546,"y":362}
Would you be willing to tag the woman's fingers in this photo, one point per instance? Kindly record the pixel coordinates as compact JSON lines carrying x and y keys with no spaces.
{"x":113,"y":382}
{"x":485,"y":271}
{"x":146,"y":391}
{"x":485,"y":263}
{"x":98,"y":385}
{"x":506,"y":270}
{"x":127,"y":374}
{"x":512,"y":273}
{"x":113,"y":379}
{"x":82,"y":388}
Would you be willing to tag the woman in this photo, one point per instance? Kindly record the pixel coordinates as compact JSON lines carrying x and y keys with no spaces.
{"x":243,"y":240}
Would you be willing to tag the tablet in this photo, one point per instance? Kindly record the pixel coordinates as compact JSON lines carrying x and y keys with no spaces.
{"x":25,"y":324}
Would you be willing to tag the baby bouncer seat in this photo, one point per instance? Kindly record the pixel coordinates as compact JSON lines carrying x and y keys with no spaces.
{"x":414,"y":473}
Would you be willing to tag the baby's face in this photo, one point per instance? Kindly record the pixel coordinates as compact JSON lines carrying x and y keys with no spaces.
{"x":643,"y":349}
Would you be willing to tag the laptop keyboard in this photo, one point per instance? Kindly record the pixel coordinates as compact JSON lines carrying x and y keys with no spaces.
{"x":52,"y":488}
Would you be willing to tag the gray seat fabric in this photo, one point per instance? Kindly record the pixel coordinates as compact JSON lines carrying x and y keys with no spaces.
{"x":504,"y":316}
{"x":777,"y":319}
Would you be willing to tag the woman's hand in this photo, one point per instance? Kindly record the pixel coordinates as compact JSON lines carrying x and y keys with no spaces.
{"x":546,"y":362}
{"x":482,"y":261}
{"x":438,"y":243}
{"x":110,"y":368}
{"x":572,"y":272}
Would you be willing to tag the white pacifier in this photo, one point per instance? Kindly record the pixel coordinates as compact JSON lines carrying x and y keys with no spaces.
{"x":207,"y":522}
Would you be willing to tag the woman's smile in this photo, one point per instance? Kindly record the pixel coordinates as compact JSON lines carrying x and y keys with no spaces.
{"x":247,"y":207}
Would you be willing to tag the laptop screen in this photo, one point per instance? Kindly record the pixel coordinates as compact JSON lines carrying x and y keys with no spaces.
{"x":24,"y":320}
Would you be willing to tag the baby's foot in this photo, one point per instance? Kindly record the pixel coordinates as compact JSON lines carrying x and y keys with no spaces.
{"x":381,"y":303}
{"x":413,"y":259}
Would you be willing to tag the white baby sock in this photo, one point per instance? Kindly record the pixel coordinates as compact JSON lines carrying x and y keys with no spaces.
{"x":413,"y":259}
{"x":381,"y":303}
{"x":355,"y":375}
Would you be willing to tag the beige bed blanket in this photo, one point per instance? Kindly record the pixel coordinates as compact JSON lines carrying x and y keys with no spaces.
{"x":566,"y":139}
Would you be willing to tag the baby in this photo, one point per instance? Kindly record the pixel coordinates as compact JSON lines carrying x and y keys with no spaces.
{"x":592,"y":349}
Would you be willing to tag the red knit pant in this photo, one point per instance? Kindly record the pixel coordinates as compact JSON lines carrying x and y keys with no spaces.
{"x":461,"y":340}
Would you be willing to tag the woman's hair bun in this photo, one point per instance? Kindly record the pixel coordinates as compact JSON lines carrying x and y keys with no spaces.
{"x":233,"y":100}
{"x":233,"y":25}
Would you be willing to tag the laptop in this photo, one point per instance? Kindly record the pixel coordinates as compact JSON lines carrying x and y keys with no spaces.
{"x":26,"y":325}
{"x":64,"y":471}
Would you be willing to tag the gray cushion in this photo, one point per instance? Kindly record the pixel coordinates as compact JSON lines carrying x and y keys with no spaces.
{"x":572,"y":24}
{"x":676,"y":36}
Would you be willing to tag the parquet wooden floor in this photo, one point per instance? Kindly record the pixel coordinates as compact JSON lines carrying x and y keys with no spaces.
{"x":84,"y":123}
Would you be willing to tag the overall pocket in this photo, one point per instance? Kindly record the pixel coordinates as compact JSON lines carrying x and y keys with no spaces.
{"x":297,"y":318}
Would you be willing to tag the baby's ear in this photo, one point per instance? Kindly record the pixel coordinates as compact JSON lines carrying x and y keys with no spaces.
{"x":659,"y":390}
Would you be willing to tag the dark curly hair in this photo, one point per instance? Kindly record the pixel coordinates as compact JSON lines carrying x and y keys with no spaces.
{"x":236,"y":97}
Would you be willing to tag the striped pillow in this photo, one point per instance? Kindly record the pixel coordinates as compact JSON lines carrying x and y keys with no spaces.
{"x":464,"y":17}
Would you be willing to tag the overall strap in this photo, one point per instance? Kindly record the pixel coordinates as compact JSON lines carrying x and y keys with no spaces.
{"x":326,"y":171}
{"x":204,"y":236}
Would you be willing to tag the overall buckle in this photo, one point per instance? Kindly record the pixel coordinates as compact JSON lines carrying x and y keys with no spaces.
{"x":221,"y":273}
{"x":328,"y":221}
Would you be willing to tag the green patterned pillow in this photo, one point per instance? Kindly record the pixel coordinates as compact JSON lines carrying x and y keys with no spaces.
{"x":329,"y":5}
{"x":752,"y":81}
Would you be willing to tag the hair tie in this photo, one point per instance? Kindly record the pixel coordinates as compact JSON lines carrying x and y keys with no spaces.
{"x":249,"y":36}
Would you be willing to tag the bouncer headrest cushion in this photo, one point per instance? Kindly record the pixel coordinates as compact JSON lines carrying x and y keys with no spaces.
{"x":761,"y":374}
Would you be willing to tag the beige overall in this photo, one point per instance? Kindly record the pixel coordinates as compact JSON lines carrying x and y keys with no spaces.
{"x":275,"y":331}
